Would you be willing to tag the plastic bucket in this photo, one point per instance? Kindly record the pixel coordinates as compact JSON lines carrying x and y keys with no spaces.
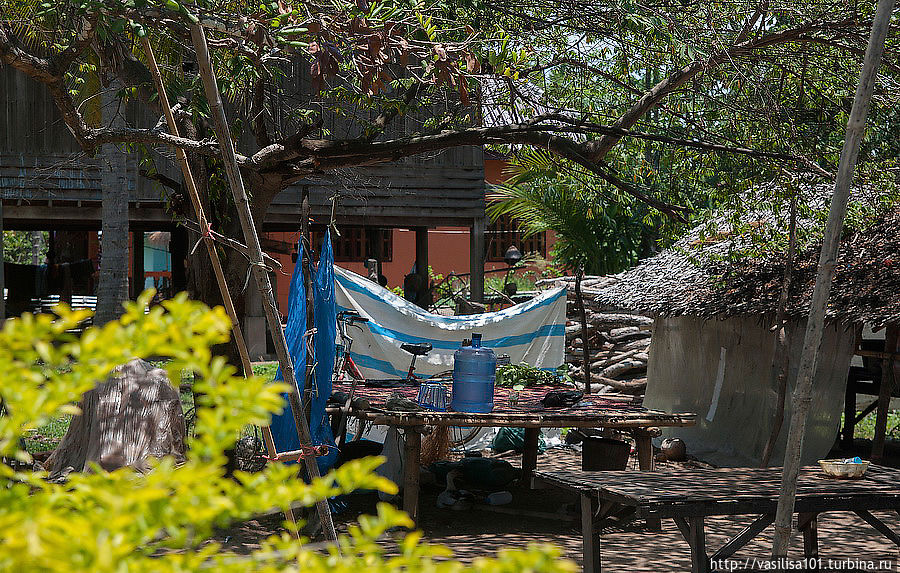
{"x":599,"y":454}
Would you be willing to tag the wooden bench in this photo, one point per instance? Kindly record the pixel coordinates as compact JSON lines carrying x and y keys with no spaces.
{"x":688,"y":497}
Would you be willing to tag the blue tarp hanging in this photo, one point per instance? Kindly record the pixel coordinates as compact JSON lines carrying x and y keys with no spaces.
{"x":284,"y":431}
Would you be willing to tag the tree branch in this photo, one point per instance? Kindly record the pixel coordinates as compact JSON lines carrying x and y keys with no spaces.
{"x":657,"y":93}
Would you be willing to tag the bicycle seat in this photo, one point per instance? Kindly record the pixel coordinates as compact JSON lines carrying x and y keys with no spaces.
{"x":418,"y":348}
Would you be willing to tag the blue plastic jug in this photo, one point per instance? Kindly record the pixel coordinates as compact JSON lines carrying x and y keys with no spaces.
{"x":473,"y":378}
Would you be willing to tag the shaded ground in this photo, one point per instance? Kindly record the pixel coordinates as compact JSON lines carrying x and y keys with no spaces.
{"x":549,"y":516}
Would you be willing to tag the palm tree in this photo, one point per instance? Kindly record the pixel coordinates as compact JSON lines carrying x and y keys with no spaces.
{"x":597,"y":232}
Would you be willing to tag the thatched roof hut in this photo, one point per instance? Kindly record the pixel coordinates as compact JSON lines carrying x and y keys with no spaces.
{"x":714,"y":296}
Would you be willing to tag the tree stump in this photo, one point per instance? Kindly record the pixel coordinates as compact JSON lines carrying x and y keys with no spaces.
{"x":135,"y":414}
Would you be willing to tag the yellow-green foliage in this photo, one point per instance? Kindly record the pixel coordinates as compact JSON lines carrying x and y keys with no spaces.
{"x":125,"y":521}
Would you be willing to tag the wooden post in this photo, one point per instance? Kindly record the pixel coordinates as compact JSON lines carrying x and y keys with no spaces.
{"x":476,"y":260}
{"x":191,"y":186}
{"x":422,"y":266}
{"x":257,"y":262}
{"x":412,"y":449}
{"x":699,"y":558}
{"x":178,"y":249}
{"x":585,"y":342}
{"x":307,"y":267}
{"x":808,"y":524}
{"x":849,"y":416}
{"x":137,"y":263}
{"x":529,"y":455}
{"x":590,"y":543}
{"x":884,"y":393}
{"x":815,"y":325}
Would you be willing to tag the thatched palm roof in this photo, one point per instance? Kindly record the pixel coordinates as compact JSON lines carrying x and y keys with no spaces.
{"x":698,"y":278}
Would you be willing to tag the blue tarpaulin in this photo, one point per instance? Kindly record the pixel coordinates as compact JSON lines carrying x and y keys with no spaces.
{"x":284,"y":431}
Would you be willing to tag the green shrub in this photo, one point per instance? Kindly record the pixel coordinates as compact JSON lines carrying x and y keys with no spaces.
{"x":161,"y":521}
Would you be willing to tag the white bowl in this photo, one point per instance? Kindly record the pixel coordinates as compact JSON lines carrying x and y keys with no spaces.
{"x":844,"y":470}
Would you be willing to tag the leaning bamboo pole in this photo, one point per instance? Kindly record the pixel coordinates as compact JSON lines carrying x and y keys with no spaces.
{"x":209,"y":241}
{"x":815,"y":325}
{"x":257,"y":263}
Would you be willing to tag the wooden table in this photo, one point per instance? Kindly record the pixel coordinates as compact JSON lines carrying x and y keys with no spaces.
{"x":596,"y":411}
{"x":689,"y":496}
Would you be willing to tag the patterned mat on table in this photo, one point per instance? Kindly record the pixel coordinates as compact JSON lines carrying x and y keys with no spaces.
{"x":529,"y":399}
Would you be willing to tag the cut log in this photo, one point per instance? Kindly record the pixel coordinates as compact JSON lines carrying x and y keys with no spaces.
{"x":132,"y":416}
{"x":621,"y":368}
{"x":639,"y":343}
{"x":634,"y":334}
{"x":604,"y":321}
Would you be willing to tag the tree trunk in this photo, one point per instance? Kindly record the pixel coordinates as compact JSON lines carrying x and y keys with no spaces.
{"x":132,"y":416}
{"x":112,"y":290}
{"x":816,"y":322}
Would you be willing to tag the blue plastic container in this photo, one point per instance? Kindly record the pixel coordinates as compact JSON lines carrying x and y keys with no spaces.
{"x":473,"y":378}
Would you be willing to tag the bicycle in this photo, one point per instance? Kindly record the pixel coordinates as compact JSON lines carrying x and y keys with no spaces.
{"x":346,"y":367}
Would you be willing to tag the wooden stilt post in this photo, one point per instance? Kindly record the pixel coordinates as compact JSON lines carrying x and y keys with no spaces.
{"x":815,"y":325}
{"x":424,"y":299}
{"x":209,"y":242}
{"x":257,"y":262}
{"x":137,"y":263}
{"x":476,"y":260}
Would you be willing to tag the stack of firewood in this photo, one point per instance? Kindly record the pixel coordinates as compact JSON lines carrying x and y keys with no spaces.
{"x":618,"y":343}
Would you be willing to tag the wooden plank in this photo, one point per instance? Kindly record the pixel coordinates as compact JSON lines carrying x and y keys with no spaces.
{"x":589,"y":540}
{"x":744,"y":537}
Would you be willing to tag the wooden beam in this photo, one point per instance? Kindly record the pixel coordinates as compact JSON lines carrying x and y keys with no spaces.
{"x":257,"y":262}
{"x":878,"y":525}
{"x":744,"y":537}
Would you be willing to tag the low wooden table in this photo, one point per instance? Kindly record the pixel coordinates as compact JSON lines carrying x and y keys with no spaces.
{"x":596,"y":411}
{"x":689,"y":496}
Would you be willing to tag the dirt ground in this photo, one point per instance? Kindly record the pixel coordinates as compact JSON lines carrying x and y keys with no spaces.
{"x":551,"y":516}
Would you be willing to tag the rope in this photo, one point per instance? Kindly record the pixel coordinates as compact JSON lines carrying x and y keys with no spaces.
{"x":208,"y":234}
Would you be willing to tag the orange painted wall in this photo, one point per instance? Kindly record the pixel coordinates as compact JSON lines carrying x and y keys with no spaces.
{"x":448,"y":248}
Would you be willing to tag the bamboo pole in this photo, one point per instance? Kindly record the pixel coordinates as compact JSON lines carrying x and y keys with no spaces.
{"x":209,"y":241}
{"x":257,"y":262}
{"x":816,"y":322}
